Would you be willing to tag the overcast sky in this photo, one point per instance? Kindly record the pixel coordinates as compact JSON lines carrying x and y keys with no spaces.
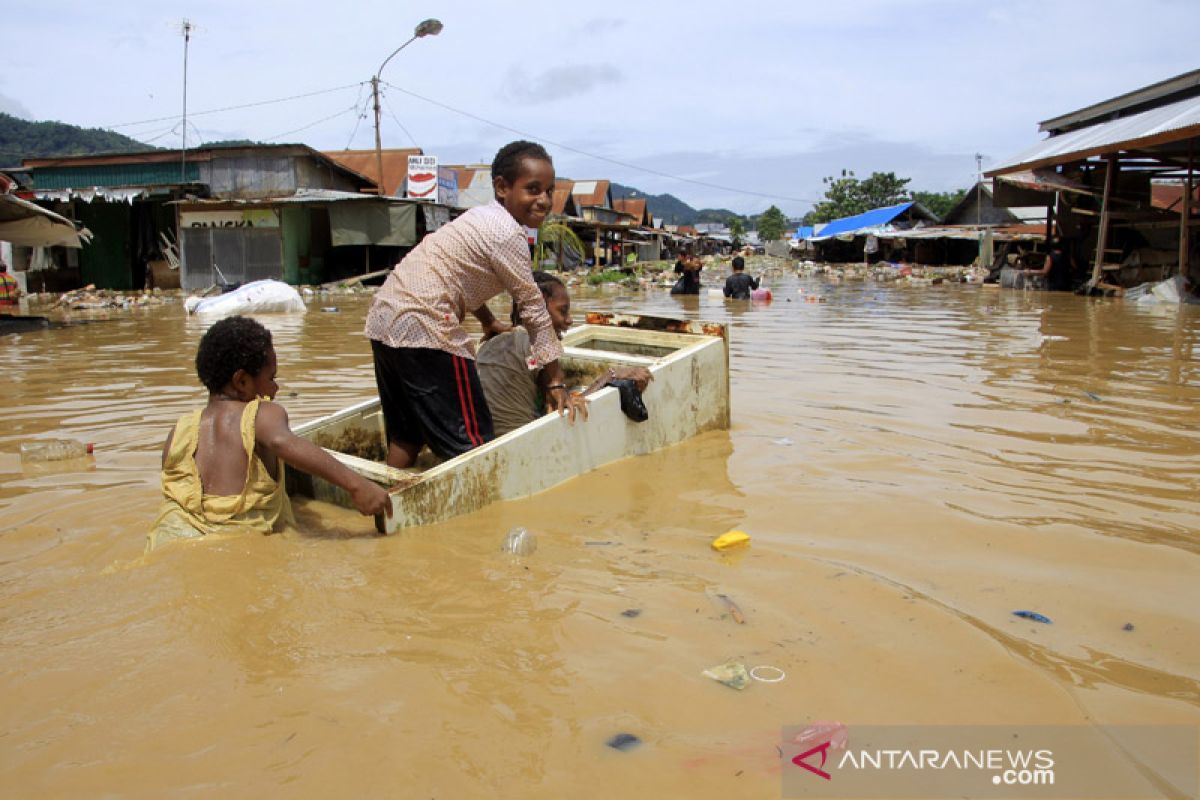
{"x":753,"y":96}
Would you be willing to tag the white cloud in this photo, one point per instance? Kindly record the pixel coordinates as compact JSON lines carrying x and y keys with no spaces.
{"x":763,"y":96}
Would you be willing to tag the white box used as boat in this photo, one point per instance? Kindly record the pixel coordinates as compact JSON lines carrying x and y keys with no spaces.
{"x":689,"y":395}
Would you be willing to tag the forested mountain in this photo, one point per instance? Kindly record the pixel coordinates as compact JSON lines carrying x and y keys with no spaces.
{"x":20,"y":139}
{"x":673,"y":211}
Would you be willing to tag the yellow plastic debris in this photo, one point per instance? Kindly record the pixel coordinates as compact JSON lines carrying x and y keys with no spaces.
{"x":730,"y":539}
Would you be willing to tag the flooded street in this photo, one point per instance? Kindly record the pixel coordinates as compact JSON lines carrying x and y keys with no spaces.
{"x":912,"y":464}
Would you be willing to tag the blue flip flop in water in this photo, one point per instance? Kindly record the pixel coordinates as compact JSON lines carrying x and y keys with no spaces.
{"x":1033,"y":615}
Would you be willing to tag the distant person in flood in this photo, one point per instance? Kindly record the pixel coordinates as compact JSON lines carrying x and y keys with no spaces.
{"x":10,"y":290}
{"x":1055,"y":271}
{"x":739,"y":285}
{"x":424,"y":361}
{"x":688,"y":268}
{"x":223,"y":466}
{"x":515,"y":394}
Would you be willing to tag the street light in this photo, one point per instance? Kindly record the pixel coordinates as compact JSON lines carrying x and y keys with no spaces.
{"x":429,"y":27}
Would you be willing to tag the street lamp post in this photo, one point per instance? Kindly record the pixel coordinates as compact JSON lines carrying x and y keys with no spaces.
{"x":430,"y":27}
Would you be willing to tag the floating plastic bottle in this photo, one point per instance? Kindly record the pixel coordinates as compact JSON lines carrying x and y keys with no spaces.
{"x":53,"y":450}
{"x":519,"y":542}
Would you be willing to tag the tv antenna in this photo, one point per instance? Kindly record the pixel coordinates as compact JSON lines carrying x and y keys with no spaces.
{"x":185,"y":27}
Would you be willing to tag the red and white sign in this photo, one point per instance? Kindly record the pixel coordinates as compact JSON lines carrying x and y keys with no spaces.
{"x":422,"y":178}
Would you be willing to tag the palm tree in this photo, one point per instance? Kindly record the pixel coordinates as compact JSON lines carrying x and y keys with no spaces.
{"x":553,"y":238}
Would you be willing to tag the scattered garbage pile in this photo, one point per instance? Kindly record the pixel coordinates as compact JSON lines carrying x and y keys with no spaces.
{"x":89,"y":298}
{"x":899,"y":273}
{"x":1171,"y":292}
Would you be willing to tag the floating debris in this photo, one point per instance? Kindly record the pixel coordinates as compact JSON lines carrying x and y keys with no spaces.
{"x":519,"y":542}
{"x":730,"y":539}
{"x":1032,"y":615}
{"x":631,"y":612}
{"x":732,"y":673}
{"x":765,"y":673}
{"x":623,"y":742}
{"x":733,"y":609}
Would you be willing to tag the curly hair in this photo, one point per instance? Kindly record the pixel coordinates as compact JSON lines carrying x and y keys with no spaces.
{"x":548,"y":283}
{"x":229,"y":345}
{"x":507,"y":162}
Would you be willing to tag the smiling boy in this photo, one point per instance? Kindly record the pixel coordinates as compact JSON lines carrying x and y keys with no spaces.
{"x":424,"y":360}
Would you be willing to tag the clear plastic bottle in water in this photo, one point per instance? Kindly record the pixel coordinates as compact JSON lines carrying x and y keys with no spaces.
{"x":53,"y":450}
{"x":519,"y":542}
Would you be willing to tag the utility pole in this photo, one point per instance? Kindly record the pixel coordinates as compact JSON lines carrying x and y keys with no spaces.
{"x":429,"y":27}
{"x":978,"y":188}
{"x":378,"y":142}
{"x":187,"y":37}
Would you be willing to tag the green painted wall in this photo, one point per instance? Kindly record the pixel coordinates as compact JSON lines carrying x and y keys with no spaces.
{"x":297,"y":239}
{"x":82,"y":177}
{"x":105,"y":260}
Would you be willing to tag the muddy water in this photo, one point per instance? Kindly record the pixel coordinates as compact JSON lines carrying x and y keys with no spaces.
{"x":912,"y":464}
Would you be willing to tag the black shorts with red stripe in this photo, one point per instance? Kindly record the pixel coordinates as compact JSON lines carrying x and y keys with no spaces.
{"x":431,"y":397}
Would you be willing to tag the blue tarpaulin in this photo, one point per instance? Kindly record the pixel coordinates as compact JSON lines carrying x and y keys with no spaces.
{"x":874,"y":218}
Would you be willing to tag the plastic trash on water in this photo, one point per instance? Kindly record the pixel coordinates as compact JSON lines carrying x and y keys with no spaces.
{"x":53,"y":450}
{"x":623,"y":742}
{"x":762,"y":294}
{"x":732,"y":673}
{"x":259,"y":297}
{"x":519,"y":542}
{"x":1032,"y":615}
{"x":731,"y":539}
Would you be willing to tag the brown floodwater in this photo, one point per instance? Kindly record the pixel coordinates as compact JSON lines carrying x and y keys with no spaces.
{"x":912,"y":464}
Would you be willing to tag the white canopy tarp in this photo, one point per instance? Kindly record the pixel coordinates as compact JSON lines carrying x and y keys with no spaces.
{"x":30,"y":225}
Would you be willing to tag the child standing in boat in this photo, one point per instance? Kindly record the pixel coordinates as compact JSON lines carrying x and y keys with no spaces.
{"x":424,"y":361}
{"x":223,"y":466}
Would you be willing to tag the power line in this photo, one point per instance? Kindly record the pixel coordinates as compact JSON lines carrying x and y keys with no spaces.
{"x":243,"y":105}
{"x":398,"y":122}
{"x":595,"y":156}
{"x":353,"y":108}
{"x":359,"y":115}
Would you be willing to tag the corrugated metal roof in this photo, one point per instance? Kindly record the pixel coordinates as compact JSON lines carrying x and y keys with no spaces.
{"x":1169,"y":123}
{"x":634,"y":206}
{"x":1169,"y":196}
{"x":591,"y":193}
{"x":563,"y":189}
{"x":1156,"y":94}
{"x":363,"y":162}
{"x":875,"y":218}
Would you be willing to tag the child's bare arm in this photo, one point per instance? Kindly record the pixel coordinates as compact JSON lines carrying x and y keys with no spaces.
{"x":272,"y":432}
{"x":491,"y":325}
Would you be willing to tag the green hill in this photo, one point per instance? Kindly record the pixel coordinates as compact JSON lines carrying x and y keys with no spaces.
{"x":673,"y":211}
{"x":21,"y":139}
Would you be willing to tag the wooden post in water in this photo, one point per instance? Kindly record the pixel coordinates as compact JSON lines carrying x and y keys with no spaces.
{"x":1185,"y":217}
{"x":1050,"y":219}
{"x":1102,"y":242}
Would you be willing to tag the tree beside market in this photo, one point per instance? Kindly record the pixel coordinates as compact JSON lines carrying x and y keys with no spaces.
{"x":737,"y":231}
{"x":771,"y":225}
{"x":847,"y":195}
